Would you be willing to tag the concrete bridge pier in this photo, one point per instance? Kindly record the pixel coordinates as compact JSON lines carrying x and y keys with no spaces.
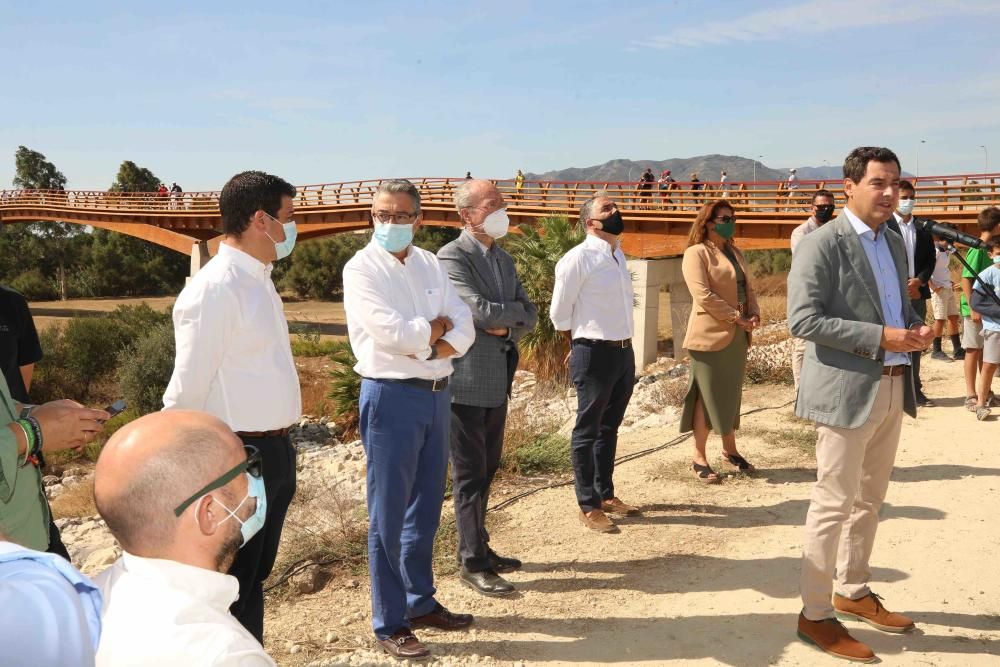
{"x":199,"y":257}
{"x":648,"y":277}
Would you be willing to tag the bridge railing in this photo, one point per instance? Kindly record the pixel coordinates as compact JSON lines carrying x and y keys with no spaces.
{"x":962,"y":193}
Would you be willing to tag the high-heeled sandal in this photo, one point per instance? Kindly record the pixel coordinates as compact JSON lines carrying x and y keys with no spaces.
{"x":705,"y":474}
{"x":739,"y":462}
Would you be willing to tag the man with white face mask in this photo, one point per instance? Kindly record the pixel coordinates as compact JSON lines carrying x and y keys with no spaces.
{"x":484,"y":277}
{"x":182,"y":495}
{"x":234,"y":360}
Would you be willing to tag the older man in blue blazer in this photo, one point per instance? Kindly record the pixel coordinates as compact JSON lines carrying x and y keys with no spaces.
{"x":847,"y":299}
{"x":484,"y":277}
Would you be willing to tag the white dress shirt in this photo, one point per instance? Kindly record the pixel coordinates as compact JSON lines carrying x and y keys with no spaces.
{"x":908,"y":230}
{"x":389,"y":305}
{"x":50,"y":614}
{"x":593,"y":297}
{"x":234,"y":359}
{"x":161,"y":613}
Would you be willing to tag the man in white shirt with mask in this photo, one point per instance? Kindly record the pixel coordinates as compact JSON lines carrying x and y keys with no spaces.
{"x":484,"y":276}
{"x":406,"y":322}
{"x":181,"y":494}
{"x":234,"y":360}
{"x":592,"y":308}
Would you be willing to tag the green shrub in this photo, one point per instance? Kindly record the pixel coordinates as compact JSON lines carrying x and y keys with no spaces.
{"x":316,"y":269}
{"x":35,"y":286}
{"x":92,"y":345}
{"x":544,"y":455}
{"x":144,"y":369}
{"x":345,"y":388}
{"x":769,"y":262}
{"x":52,"y":379}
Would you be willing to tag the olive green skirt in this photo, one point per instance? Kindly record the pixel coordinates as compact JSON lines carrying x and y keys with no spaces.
{"x":718,"y":378}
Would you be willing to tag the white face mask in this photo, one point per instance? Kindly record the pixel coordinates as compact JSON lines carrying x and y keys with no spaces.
{"x":496,"y":223}
{"x":905,"y":206}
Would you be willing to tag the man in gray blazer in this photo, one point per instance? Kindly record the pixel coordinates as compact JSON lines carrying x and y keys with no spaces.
{"x":847,"y":298}
{"x":484,"y":276}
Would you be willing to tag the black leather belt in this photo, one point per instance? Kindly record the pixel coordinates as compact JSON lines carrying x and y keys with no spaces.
{"x":894,"y":371}
{"x":621,"y":344}
{"x":433,"y":385}
{"x":276,"y":433}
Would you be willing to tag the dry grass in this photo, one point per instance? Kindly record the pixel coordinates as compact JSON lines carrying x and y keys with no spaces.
{"x":769,"y":358}
{"x":75,"y":501}
{"x":668,"y":392}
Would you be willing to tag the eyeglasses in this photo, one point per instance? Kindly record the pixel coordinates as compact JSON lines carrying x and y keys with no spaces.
{"x":252,"y":466}
{"x":385,"y":217}
{"x":725,"y":220}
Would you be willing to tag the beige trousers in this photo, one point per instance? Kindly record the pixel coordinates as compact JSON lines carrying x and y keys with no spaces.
{"x":798,"y":353}
{"x":852,"y":475}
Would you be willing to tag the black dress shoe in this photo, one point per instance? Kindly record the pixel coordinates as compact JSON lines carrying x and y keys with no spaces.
{"x":503,"y":564}
{"x":923,"y":401}
{"x":442,"y":619}
{"x":403,"y":644}
{"x":486,"y":582}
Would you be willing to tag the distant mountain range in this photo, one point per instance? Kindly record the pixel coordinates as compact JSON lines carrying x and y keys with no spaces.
{"x":708,"y":168}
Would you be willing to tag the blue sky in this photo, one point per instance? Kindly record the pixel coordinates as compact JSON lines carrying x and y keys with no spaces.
{"x":324,"y":92}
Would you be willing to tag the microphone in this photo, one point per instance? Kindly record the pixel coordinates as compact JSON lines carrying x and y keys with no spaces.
{"x":950,"y":235}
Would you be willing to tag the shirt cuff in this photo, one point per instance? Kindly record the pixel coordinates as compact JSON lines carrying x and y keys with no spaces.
{"x":562,"y":325}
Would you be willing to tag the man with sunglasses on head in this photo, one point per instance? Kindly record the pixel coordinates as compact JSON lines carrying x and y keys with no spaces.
{"x":406,"y":322}
{"x":183,"y":496}
{"x":823,"y":204}
{"x":592,"y":308}
{"x":234,"y":360}
{"x":485,"y":278}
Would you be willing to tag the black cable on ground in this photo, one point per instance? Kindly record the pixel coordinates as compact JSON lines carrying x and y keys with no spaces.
{"x":301,"y":565}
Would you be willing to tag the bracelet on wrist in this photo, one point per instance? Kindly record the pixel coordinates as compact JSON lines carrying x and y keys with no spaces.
{"x":29,"y":438}
{"x":36,"y":450}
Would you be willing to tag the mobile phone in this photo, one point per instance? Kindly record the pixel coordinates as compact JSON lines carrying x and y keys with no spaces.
{"x":116,"y":408}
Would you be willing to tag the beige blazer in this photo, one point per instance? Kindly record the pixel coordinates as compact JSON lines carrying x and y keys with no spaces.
{"x":711,"y":279}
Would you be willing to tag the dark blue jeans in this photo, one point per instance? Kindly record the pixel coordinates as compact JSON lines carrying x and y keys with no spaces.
{"x":604,"y":377}
{"x":405,"y":431}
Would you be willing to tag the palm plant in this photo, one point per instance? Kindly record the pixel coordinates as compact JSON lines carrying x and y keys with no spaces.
{"x":345,"y":387}
{"x":535,"y":251}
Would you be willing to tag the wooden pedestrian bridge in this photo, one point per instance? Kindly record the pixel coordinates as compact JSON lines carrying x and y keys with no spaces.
{"x":656,"y":221}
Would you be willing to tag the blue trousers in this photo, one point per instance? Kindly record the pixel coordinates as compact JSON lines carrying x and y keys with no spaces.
{"x":405,"y":432}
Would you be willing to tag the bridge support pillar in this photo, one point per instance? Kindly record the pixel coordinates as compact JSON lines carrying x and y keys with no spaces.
{"x":649,"y":276}
{"x":199,"y":257}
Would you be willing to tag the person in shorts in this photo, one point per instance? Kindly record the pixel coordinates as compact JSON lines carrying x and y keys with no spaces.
{"x":943,"y":303}
{"x":989,"y":310}
{"x":972,"y":322}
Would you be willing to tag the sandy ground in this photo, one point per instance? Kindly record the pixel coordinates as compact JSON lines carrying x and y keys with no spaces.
{"x":709,"y":575}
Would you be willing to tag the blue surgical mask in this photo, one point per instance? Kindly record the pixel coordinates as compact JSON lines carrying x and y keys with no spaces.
{"x":252,"y":525}
{"x":284,"y":248}
{"x":996,"y":260}
{"x":905,"y":206}
{"x":393,"y":238}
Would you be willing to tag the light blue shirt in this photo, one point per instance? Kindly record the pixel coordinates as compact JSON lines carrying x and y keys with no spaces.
{"x":876,"y":247}
{"x":991,"y":276}
{"x":50,"y":614}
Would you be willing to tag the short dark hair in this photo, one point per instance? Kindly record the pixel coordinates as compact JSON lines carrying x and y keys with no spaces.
{"x":249,"y":192}
{"x":988,"y":219}
{"x":823,"y":192}
{"x":906,"y":185}
{"x":856,"y":163}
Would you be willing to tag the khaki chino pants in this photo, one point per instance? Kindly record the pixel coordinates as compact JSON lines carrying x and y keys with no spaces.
{"x":798,"y":354}
{"x":853,"y":468}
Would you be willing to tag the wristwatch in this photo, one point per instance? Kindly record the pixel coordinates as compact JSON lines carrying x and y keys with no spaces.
{"x":26,"y":410}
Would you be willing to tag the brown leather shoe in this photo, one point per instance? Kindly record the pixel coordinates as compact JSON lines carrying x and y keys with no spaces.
{"x":618,"y":508}
{"x":597,"y":520}
{"x":830,"y":636}
{"x":869,"y":609}
{"x":404,"y":644}
{"x":442,"y":619}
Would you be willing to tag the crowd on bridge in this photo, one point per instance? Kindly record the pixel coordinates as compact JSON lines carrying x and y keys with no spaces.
{"x":196,"y":494}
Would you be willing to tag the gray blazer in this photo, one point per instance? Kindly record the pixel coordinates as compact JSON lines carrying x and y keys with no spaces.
{"x":833,"y":304}
{"x":483,"y":375}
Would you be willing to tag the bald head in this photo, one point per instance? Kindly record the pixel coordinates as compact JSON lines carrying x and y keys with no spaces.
{"x":151,"y":466}
{"x":475,"y":192}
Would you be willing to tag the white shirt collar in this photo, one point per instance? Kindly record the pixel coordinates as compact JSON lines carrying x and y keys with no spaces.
{"x":247,"y":262}
{"x":215,"y":589}
{"x":860,"y":227}
{"x":900,"y":220}
{"x":382,"y":255}
{"x":597,"y":243}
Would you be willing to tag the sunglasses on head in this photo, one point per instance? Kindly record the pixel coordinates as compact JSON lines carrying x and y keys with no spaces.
{"x":251,"y":465}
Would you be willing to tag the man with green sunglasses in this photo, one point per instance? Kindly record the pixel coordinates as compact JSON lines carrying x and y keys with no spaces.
{"x":182,"y":494}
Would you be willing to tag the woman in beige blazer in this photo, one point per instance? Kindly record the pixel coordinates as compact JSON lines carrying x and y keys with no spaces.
{"x":724,"y":312}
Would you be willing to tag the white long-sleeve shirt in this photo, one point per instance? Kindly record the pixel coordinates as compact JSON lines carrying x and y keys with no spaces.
{"x":161,"y":613}
{"x":389,"y":305}
{"x":593,"y":294}
{"x":234,"y":359}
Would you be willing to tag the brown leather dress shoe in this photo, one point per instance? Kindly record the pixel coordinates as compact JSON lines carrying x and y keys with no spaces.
{"x":442,"y":619}
{"x":618,"y":508}
{"x":404,"y":644}
{"x":830,"y":636}
{"x":869,"y":609}
{"x":597,"y":520}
